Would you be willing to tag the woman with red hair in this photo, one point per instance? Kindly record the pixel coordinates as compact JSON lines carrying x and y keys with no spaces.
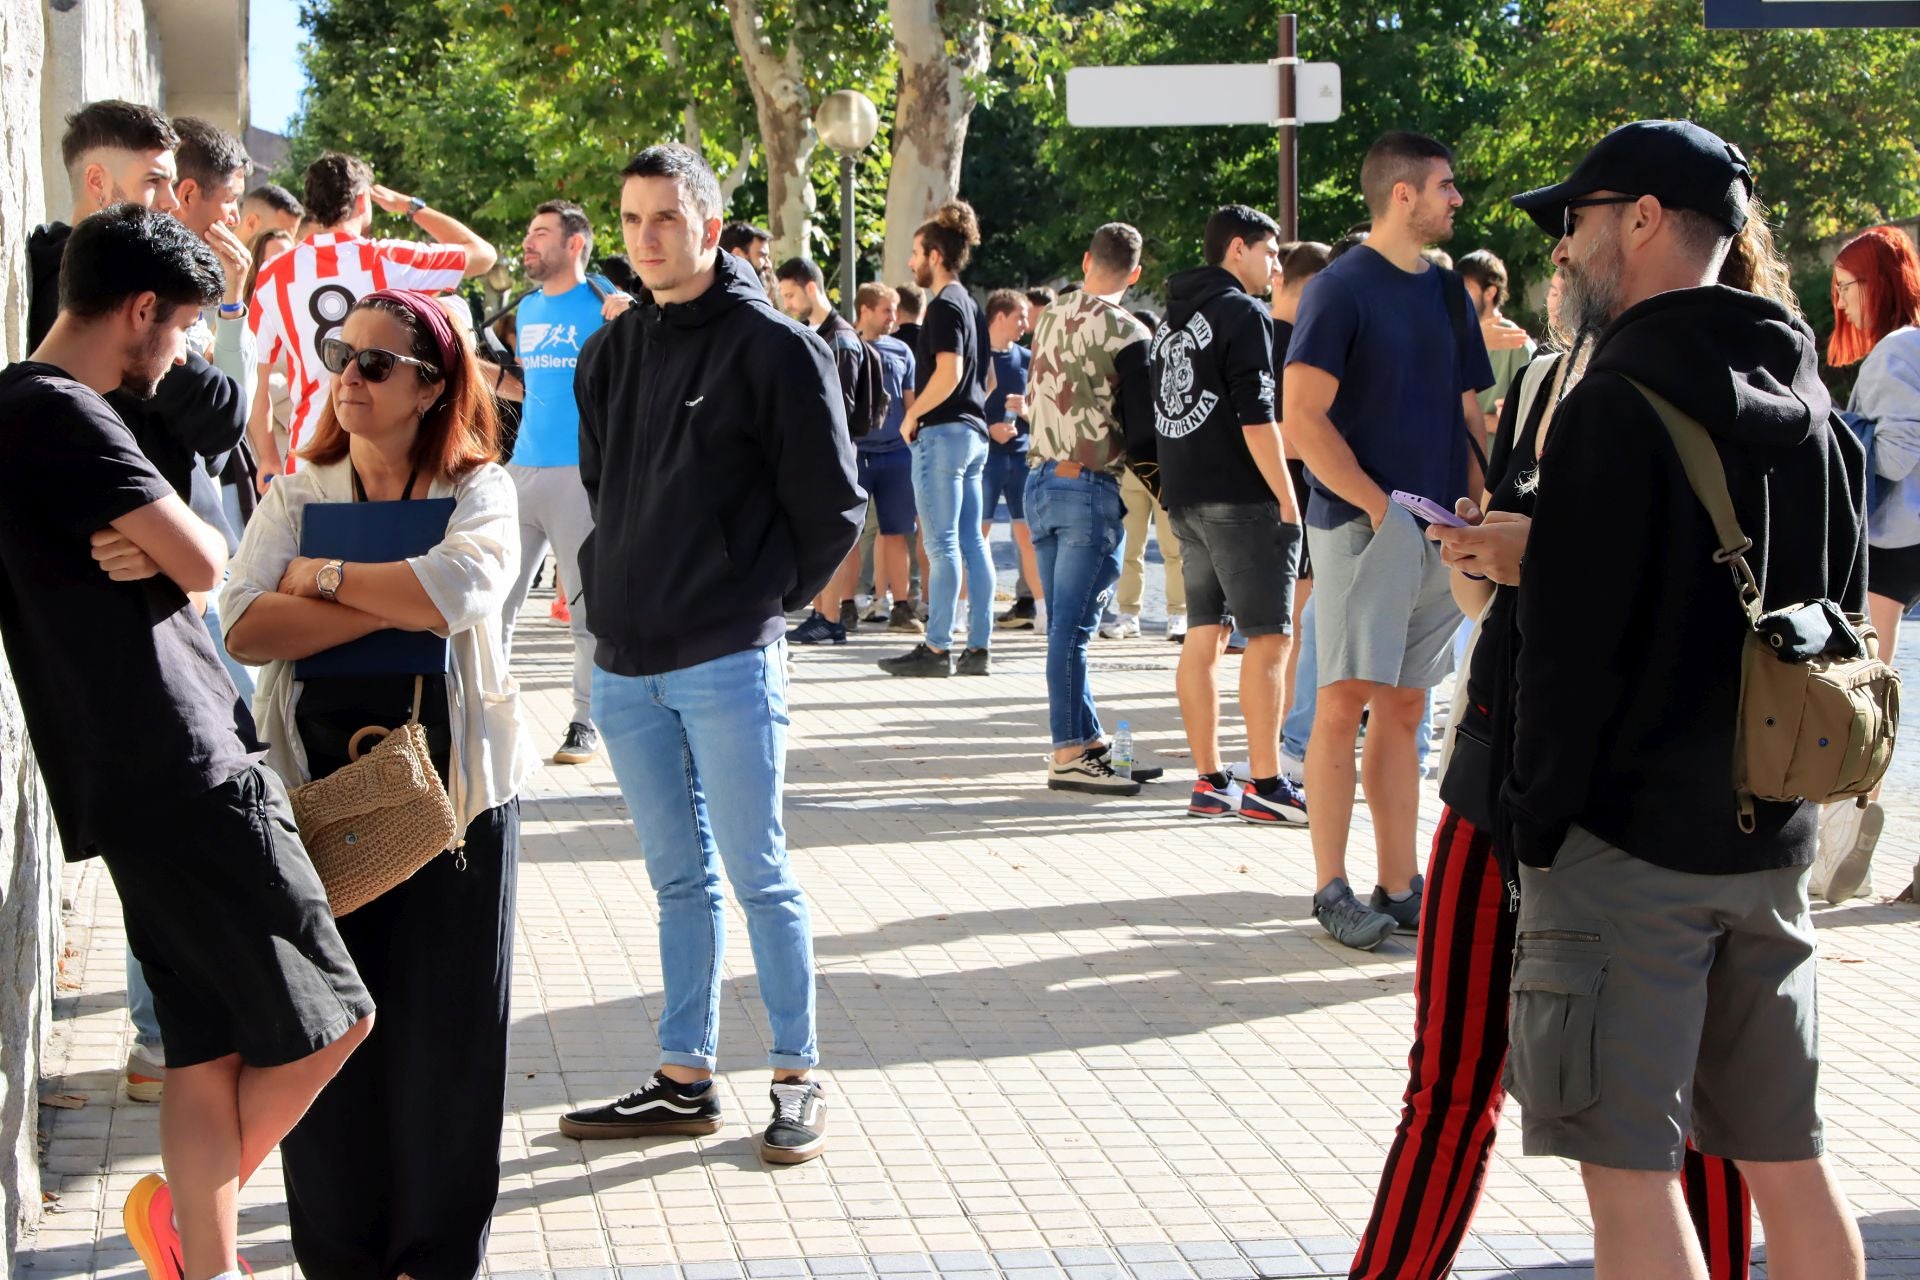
{"x":1876,"y":305}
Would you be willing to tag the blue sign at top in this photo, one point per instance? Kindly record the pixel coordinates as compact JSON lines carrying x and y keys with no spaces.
{"x":1735,"y":14}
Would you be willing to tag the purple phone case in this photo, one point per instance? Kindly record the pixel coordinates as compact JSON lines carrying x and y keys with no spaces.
{"x":1427,"y":509}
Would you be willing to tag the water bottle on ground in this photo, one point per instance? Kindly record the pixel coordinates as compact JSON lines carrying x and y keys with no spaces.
{"x":1120,"y":755}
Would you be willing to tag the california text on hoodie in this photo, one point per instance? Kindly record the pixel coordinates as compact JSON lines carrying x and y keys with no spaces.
{"x":714,"y":451}
{"x":1212,"y":377}
{"x":1628,"y":658}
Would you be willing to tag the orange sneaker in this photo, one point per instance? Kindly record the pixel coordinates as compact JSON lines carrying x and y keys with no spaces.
{"x":148,"y":1216}
{"x":560,"y":612}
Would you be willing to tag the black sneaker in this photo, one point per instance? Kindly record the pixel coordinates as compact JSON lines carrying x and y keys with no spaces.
{"x":662,"y":1107}
{"x":1406,"y":915}
{"x":818,"y":629}
{"x":798,"y":1131}
{"x":919,"y":662}
{"x":1018,"y":618}
{"x":581,"y":744}
{"x":849,"y":617}
{"x":974,"y":662}
{"x":902,"y":619}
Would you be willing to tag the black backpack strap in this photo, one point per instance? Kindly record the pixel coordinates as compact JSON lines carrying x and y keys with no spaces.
{"x":1462,"y":334}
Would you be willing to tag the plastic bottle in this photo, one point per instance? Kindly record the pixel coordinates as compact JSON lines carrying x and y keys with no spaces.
{"x":1120,"y":755}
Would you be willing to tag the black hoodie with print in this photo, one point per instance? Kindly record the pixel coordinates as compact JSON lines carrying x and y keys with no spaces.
{"x":715,"y":455}
{"x":1212,"y":377}
{"x":1628,"y":665}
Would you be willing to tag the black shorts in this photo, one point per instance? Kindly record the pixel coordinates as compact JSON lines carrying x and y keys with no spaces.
{"x":1894,"y":572}
{"x":1238,"y":561}
{"x":228,"y":919}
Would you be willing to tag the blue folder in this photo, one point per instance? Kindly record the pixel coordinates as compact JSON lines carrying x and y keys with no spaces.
{"x":376,"y":533}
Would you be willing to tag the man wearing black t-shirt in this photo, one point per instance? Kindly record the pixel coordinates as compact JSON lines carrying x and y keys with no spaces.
{"x":947,"y":427}
{"x":1224,"y":482}
{"x":148,"y":754}
{"x":803,"y":295}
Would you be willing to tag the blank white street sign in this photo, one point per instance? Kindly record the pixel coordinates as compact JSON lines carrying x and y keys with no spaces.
{"x":1224,"y":93}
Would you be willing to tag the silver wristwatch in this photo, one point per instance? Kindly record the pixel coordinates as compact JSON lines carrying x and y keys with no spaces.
{"x":328,"y":577}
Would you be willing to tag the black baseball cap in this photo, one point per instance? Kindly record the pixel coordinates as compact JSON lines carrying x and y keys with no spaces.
{"x":1675,"y":161}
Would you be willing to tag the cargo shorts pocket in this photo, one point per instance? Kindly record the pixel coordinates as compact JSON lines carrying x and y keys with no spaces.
{"x":1552,"y":1023}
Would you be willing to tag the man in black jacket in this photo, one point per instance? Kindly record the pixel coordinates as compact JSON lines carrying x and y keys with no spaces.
{"x":1224,"y":483}
{"x":714,"y":450}
{"x":1663,"y":981}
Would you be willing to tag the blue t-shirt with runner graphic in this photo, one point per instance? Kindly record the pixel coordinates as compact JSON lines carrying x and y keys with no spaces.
{"x":550,"y":330}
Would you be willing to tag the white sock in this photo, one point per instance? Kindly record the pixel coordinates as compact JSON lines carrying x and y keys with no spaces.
{"x":230,"y":1275}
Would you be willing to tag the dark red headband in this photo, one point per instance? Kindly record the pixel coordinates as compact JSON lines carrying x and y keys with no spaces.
{"x":427,"y":310}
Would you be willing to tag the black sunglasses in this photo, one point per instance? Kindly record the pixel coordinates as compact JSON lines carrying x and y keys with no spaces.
{"x":1566,"y":213}
{"x":375,"y":365}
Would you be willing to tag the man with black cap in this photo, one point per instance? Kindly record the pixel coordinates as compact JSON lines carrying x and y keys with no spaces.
{"x":1663,"y":980}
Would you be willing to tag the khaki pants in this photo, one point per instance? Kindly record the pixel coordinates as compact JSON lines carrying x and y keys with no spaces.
{"x":1133,"y":553}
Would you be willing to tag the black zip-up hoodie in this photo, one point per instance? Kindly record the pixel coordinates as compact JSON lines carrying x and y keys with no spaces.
{"x":715,"y":455}
{"x":1628,"y":664}
{"x":1212,"y":376}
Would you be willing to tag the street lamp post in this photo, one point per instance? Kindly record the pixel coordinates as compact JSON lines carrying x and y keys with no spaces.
{"x":847,"y":122}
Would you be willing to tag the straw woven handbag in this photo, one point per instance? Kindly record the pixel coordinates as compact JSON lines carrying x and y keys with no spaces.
{"x":371,"y":824}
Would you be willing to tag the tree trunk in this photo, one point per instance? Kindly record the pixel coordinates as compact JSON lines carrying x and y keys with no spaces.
{"x":930,"y":113}
{"x":785,"y":112}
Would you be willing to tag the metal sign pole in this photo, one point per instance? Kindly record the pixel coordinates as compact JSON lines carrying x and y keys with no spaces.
{"x":1289,"y":70}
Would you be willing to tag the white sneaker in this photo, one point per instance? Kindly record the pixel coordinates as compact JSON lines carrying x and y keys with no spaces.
{"x":1293,"y":769}
{"x":1241,"y":771}
{"x":1113,"y":630}
{"x":146,"y":1074}
{"x":1177,"y":627}
{"x":1127,"y":628}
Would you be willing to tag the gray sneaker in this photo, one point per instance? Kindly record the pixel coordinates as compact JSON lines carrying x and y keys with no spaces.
{"x":1406,"y":915}
{"x":1351,"y":924}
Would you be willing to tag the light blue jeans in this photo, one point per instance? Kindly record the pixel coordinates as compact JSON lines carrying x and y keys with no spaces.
{"x":948,"y":460}
{"x":1078,"y":527}
{"x":718,"y":728}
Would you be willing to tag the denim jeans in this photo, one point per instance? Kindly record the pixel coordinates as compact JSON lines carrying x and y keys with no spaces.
{"x":146,"y":1023}
{"x":720,"y":726}
{"x":1077,"y":526}
{"x":948,"y":460}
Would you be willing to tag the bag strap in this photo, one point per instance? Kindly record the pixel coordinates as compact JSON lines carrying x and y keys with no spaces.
{"x":1708,"y":477}
{"x":1537,"y":372}
{"x":419,"y":687}
{"x":1462,"y":332}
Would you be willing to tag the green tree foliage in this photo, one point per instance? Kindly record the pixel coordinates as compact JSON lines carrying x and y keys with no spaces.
{"x":1827,"y":118}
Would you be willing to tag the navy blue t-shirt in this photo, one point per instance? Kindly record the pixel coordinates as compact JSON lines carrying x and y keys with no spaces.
{"x":1388,"y":336}
{"x":1009,"y":379}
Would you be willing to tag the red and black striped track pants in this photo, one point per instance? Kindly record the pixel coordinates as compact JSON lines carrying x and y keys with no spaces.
{"x":1438,"y":1163}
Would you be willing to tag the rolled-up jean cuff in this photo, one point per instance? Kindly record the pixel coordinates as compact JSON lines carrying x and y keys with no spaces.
{"x":698,"y":1061}
{"x":793,"y":1061}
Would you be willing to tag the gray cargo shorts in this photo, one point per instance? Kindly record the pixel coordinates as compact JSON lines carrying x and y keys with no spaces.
{"x":1650,"y":1006}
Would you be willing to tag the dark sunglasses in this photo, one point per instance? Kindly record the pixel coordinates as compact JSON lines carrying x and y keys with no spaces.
{"x":1566,"y":213}
{"x":375,"y":365}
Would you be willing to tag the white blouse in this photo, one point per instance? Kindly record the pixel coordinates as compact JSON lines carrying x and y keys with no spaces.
{"x":467,"y":576}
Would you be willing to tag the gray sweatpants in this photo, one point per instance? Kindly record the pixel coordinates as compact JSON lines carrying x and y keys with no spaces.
{"x":553,"y":511}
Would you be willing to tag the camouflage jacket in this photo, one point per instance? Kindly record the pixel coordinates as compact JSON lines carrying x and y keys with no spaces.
{"x":1071,"y":386}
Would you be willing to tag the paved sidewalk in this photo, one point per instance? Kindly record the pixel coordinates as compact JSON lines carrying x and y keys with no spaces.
{"x":1067,"y":1040}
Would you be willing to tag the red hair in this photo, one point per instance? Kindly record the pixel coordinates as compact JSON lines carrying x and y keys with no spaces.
{"x":460,"y":432}
{"x":1883,"y":261}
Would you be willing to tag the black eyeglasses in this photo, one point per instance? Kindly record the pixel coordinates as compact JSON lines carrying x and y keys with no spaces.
{"x":1566,"y":213}
{"x":375,"y":365}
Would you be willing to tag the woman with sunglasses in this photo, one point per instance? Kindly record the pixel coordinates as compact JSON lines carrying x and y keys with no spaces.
{"x":396,"y":1168}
